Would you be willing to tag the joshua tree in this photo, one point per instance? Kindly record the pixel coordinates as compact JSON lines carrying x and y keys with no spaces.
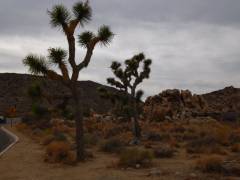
{"x":127,"y":81}
{"x":39,"y":65}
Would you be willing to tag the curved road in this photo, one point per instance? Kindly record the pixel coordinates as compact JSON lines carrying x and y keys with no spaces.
{"x":5,"y":140}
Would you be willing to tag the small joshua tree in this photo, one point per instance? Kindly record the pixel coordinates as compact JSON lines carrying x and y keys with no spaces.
{"x":39,"y":65}
{"x":127,"y":81}
{"x":36,"y":94}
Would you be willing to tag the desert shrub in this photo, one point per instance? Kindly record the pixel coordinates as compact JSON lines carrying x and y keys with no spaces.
{"x":61,"y":128}
{"x":47,"y":140}
{"x":21,"y":127}
{"x":125,"y":137}
{"x":211,"y":164}
{"x":70,"y":159}
{"x":135,"y":156}
{"x":236,"y":148}
{"x":153,"y":136}
{"x":235,"y":136}
{"x":164,"y":152}
{"x":40,"y":111}
{"x":221,"y":135}
{"x":179,"y":129}
{"x":187,"y":136}
{"x":67,"y":114}
{"x":112,"y":145}
{"x":173,"y":143}
{"x":90,"y":139}
{"x":58,"y":151}
{"x":198,"y":145}
{"x":205,"y":144}
{"x":60,"y":136}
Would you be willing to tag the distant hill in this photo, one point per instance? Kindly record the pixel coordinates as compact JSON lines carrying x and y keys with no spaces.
{"x":13,"y":91}
{"x":227,"y":99}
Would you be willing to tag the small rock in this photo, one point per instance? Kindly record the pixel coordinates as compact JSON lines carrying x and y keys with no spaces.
{"x":155,"y":172}
{"x":177,"y":173}
{"x":193,"y":175}
{"x":138,"y":166}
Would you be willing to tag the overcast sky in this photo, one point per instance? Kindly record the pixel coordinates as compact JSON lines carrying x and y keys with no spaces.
{"x":194,"y":44}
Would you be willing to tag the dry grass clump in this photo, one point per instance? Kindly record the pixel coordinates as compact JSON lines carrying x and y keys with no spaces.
{"x":112,"y":145}
{"x":156,"y":136}
{"x":135,"y":158}
{"x":91,"y":139}
{"x":221,"y":135}
{"x":205,"y":145}
{"x":47,"y":140}
{"x":210,"y":164}
{"x":164,"y":152}
{"x":59,"y":152}
{"x":235,"y":148}
{"x":235,"y":136}
{"x":21,"y":127}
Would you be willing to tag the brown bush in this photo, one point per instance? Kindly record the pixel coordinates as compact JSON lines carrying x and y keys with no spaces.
{"x":91,"y":139}
{"x":205,"y":144}
{"x":47,"y":140}
{"x":236,"y":148}
{"x":112,"y":145}
{"x":211,"y":164}
{"x":221,"y":135}
{"x":235,"y":136}
{"x":59,"y":151}
{"x":22,"y":127}
{"x":164,"y":152}
{"x":134,"y":157}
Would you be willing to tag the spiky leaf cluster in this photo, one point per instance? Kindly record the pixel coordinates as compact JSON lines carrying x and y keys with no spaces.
{"x":57,"y":55}
{"x":83,"y":12}
{"x":105,"y":35}
{"x":37,"y":64}
{"x":59,"y":15}
{"x":85,"y":38}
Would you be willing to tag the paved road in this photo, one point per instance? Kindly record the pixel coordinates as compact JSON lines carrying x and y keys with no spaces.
{"x":5,"y":140}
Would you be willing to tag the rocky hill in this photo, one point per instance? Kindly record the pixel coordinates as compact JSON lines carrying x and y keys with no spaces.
{"x":227,"y":99}
{"x":182,"y":104}
{"x":14,"y":87}
{"x":169,"y":104}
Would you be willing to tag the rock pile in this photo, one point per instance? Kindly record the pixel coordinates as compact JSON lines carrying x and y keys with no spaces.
{"x":174,"y":104}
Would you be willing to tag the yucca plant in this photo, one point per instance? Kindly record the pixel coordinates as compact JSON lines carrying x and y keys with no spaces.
{"x":127,"y":79}
{"x":60,"y":17}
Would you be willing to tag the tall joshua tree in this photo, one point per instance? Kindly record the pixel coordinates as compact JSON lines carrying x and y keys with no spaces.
{"x":39,"y":65}
{"x":128,"y":79}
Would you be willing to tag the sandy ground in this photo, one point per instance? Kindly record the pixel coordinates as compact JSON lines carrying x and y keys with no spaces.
{"x":24,"y":161}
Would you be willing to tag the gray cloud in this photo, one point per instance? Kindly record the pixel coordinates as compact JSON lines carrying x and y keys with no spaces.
{"x":194,"y":44}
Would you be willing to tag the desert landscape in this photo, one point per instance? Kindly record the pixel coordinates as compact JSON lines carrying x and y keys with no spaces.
{"x":62,"y":120}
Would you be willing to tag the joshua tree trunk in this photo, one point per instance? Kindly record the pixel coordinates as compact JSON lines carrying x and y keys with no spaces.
{"x":136,"y":126}
{"x":78,"y":116}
